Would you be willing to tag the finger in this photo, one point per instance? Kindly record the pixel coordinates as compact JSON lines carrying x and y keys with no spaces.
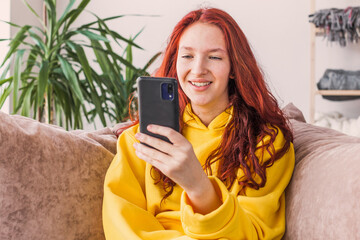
{"x":120,"y":127}
{"x":154,"y":142}
{"x":174,"y":136}
{"x":146,"y":158}
{"x":148,"y":154}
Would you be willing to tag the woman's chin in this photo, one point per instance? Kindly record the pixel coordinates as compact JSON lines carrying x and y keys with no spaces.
{"x":200,"y":103}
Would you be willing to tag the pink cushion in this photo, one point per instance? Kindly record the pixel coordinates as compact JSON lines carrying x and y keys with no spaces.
{"x":51,"y":180}
{"x":323,"y":198}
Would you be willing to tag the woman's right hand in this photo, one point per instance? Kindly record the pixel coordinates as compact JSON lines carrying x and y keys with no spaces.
{"x":179,"y":162}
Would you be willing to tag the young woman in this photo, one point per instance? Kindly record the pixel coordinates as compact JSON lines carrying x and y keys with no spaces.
{"x":224,"y":176}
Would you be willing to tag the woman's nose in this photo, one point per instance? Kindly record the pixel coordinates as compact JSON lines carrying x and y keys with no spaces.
{"x":199,"y":66}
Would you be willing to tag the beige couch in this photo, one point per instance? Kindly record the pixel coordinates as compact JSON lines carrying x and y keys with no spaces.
{"x":51,"y":181}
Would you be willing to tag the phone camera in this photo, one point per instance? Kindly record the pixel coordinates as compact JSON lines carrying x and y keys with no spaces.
{"x":167,"y":91}
{"x":170,"y":88}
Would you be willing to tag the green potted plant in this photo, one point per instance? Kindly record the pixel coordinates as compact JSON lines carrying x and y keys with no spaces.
{"x":53,"y":79}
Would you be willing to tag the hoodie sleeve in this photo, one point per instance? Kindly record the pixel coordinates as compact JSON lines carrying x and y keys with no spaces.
{"x":257,"y":214}
{"x":124,"y":204}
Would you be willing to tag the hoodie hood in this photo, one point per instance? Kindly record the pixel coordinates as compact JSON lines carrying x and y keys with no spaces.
{"x":218,"y":123}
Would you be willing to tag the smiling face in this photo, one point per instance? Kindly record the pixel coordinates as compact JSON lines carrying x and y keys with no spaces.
{"x":203,"y":66}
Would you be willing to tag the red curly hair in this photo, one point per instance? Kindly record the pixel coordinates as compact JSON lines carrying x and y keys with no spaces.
{"x":256,"y":113}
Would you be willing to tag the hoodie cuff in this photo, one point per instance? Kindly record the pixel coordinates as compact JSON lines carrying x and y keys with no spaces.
{"x":196,"y":223}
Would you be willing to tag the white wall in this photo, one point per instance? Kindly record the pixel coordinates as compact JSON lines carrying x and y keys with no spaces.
{"x":278,"y":31}
{"x":16,"y":12}
{"x":4,"y":34}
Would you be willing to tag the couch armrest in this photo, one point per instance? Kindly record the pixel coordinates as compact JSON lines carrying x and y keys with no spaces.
{"x":322,"y":199}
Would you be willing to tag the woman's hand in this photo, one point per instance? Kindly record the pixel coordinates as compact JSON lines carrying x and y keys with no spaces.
{"x":179,"y":162}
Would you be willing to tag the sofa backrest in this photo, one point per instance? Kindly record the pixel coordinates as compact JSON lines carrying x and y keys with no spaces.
{"x":51,"y":180}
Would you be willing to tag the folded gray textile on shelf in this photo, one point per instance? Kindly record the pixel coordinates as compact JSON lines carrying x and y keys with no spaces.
{"x":340,"y":80}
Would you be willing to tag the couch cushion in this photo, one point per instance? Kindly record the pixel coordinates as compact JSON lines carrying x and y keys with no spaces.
{"x":292,"y":112}
{"x":51,"y":180}
{"x":323,"y":197}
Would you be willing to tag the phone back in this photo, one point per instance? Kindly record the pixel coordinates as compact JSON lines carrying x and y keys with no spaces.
{"x":158,"y":103}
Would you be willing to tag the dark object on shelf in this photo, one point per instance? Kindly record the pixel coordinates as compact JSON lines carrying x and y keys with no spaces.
{"x":338,"y":24}
{"x":340,"y":80}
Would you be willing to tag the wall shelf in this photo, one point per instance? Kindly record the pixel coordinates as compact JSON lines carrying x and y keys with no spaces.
{"x":315,"y":32}
{"x":338,"y":92}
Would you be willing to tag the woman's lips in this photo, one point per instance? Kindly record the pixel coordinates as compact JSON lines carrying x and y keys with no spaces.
{"x":200,"y":85}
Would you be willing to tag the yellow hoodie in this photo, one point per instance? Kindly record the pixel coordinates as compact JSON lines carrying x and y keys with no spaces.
{"x":132,"y":209}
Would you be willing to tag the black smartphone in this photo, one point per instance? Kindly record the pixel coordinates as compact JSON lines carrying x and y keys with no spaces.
{"x":158,"y":103}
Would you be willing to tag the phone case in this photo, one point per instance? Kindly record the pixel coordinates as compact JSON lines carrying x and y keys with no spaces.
{"x":153,"y":109}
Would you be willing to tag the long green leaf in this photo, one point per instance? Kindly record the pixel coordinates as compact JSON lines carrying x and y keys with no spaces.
{"x":31,"y":9}
{"x":4,"y":73}
{"x":151,"y":61}
{"x":136,"y":35}
{"x":104,"y":30}
{"x":84,"y":62}
{"x":116,"y":17}
{"x":63,"y":101}
{"x":86,"y":115}
{"x":64,"y":22}
{"x":3,"y":81}
{"x":25,"y":100}
{"x":17,"y":75}
{"x":56,"y":48}
{"x":77,"y":114}
{"x":51,"y":20}
{"x":97,"y":102}
{"x":51,"y":12}
{"x":5,"y":94}
{"x":11,"y":24}
{"x":39,"y":29}
{"x":34,"y":12}
{"x":129,"y":58}
{"x":81,"y":7}
{"x":42,"y":82}
{"x":87,"y":25}
{"x":51,"y":8}
{"x":67,"y":14}
{"x":71,"y":76}
{"x":31,"y":61}
{"x":34,"y":104}
{"x":116,"y":36}
{"x":98,"y":48}
{"x":117,"y":67}
{"x":92,"y":35}
{"x":49,"y":103}
{"x":19,"y":37}
{"x":125,"y":62}
{"x":101,"y":57}
{"x":58,"y":114}
{"x":68,"y":7}
{"x":38,"y":41}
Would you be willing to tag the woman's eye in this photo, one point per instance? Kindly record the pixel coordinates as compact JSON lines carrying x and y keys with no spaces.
{"x":186,"y":56}
{"x":215,"y":58}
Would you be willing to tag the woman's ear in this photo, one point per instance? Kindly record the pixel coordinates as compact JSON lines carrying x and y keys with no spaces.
{"x":231,"y":74}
